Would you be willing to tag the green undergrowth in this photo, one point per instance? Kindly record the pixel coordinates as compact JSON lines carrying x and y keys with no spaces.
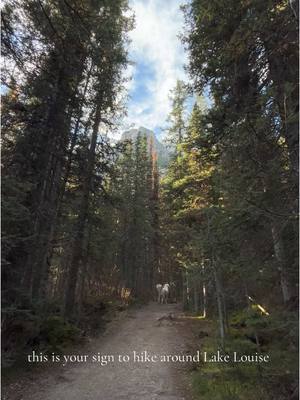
{"x":249,"y":333}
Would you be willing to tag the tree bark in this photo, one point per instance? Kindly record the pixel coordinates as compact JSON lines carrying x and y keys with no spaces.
{"x":219,"y":295}
{"x":204,"y":300}
{"x":76,"y":257}
{"x":281,"y":259}
{"x":196,"y":298}
{"x":57,"y":128}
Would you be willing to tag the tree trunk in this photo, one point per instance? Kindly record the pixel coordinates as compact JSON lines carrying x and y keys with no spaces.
{"x":184,"y":290}
{"x":281,"y":259}
{"x":204,"y":300}
{"x":76,"y":257}
{"x":219,"y":295}
{"x":47,"y":193}
{"x":196,"y":298}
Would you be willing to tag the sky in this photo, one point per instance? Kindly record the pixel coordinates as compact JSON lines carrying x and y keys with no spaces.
{"x":158,"y":57}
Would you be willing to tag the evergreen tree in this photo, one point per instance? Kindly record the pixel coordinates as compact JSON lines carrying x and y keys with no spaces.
{"x":79,"y":55}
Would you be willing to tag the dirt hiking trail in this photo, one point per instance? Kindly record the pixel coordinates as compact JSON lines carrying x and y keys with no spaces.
{"x":158,"y":329}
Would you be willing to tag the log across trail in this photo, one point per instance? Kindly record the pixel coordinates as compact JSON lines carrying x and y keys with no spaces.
{"x":155,"y":329}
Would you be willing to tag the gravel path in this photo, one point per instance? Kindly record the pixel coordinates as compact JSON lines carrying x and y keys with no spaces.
{"x":154,"y":328}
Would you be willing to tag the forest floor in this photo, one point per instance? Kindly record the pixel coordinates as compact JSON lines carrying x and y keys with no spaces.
{"x":155,"y":328}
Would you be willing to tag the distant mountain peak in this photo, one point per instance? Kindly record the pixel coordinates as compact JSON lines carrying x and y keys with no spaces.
{"x":161,"y":150}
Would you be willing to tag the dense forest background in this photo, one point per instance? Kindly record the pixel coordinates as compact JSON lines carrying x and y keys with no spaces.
{"x":88,"y":222}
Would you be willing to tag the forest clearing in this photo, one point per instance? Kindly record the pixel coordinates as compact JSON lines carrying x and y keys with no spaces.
{"x":150,"y":166}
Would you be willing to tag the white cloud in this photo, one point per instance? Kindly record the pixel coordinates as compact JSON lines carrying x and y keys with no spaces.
{"x":155,"y":42}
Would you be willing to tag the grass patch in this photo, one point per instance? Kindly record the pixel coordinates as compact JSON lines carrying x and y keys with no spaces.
{"x":227,"y":381}
{"x":275,"y":380}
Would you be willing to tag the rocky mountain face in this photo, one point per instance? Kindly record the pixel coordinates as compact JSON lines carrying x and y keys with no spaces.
{"x":161,"y":150}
